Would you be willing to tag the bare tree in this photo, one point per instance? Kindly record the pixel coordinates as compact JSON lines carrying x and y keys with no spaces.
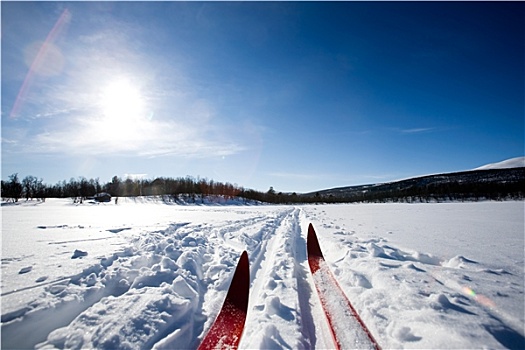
{"x":13,"y":188}
{"x":29,"y":184}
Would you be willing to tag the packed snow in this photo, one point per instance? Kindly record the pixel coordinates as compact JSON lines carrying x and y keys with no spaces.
{"x":150,"y":274}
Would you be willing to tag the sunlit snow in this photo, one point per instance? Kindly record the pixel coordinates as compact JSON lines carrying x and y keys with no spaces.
{"x":144,"y":274}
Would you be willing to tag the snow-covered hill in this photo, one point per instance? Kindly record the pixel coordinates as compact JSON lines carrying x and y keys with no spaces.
{"x":474,"y":185}
{"x":517,"y":162}
{"x":498,"y":181}
{"x":146,"y":274}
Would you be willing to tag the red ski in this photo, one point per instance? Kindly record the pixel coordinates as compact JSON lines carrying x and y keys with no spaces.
{"x":348,"y":329}
{"x":226,"y":331}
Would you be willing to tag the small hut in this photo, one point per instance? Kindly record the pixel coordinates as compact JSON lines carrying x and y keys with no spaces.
{"x":103,"y":197}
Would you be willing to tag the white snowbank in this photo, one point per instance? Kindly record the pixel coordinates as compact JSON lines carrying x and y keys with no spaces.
{"x":517,"y":162}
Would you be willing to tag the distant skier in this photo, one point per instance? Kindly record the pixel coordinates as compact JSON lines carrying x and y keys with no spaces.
{"x":116,"y":200}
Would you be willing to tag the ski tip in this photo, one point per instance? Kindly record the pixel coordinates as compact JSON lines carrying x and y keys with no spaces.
{"x":226,"y":331}
{"x":244,"y":264}
{"x":239,"y":289}
{"x":244,"y":256}
{"x":312,"y":243}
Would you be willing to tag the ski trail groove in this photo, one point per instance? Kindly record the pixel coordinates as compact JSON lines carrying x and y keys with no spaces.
{"x":274,"y":316}
{"x":304,"y":289}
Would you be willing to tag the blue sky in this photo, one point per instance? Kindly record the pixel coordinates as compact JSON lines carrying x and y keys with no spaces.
{"x":299,"y":96}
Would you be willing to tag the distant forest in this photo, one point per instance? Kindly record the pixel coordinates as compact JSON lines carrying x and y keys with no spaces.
{"x":171,"y":189}
{"x":501,"y":184}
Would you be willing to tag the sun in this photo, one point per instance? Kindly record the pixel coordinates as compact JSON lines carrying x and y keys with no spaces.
{"x":121,"y":102}
{"x":122,"y":119}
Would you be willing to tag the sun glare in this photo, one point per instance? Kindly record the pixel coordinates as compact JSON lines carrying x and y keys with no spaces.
{"x":121,"y":120}
{"x":121,"y":101}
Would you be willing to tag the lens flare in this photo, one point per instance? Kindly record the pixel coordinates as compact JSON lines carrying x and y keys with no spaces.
{"x":483,"y":300}
{"x":468,"y":291}
{"x":46,"y":54}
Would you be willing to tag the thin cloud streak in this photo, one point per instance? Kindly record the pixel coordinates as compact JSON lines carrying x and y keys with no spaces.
{"x":416,"y":130}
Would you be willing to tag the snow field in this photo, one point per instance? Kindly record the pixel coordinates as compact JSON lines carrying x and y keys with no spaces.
{"x":439,"y":276}
{"x":145,"y":274}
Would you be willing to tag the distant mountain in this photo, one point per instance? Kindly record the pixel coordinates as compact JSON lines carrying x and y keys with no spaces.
{"x":497,"y":183}
{"x":509,"y":163}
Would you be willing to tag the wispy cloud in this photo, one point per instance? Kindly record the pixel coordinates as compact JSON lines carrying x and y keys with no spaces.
{"x":64,"y":115}
{"x":416,"y":130}
{"x":149,"y":139}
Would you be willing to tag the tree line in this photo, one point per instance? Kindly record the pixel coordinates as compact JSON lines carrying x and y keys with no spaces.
{"x":171,"y":189}
{"x":467,"y":186}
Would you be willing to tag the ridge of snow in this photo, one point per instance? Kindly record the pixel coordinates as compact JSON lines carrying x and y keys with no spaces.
{"x":517,"y":162}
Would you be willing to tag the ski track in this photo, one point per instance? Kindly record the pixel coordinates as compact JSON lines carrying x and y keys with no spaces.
{"x":276,"y":315}
{"x":162,"y":288}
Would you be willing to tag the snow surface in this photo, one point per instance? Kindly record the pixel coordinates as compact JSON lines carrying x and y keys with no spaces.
{"x":517,"y":162}
{"x":146,"y":274}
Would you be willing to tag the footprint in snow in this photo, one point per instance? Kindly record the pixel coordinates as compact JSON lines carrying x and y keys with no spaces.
{"x":117,"y":230}
{"x":79,"y":254}
{"x":361,"y":281}
{"x":440,"y":302}
{"x":25,"y":270}
{"x":275,"y":307}
{"x":405,"y":334}
{"x":458,"y":262}
{"x":41,"y":279}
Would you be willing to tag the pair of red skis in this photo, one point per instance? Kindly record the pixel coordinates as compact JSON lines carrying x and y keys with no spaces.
{"x":227,"y":329}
